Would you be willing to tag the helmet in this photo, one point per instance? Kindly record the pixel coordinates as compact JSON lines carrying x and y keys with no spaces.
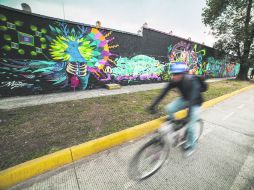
{"x":178,"y":67}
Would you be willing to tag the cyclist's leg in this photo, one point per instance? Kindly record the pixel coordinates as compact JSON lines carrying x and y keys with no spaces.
{"x":194,"y":116}
{"x":176,"y":105}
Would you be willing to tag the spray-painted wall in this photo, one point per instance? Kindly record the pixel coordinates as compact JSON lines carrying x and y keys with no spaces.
{"x":42,"y":55}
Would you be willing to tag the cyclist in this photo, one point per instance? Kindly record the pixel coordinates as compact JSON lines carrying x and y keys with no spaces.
{"x":190,"y":89}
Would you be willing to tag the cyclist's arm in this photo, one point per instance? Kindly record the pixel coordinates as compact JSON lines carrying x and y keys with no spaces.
{"x":163,"y":94}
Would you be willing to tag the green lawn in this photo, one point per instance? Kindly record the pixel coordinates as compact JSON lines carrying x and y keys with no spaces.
{"x":30,"y":132}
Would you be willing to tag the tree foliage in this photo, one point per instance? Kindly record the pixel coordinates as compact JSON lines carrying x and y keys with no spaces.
{"x":232,"y":23}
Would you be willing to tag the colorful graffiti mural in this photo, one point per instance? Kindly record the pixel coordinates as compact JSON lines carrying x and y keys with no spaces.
{"x":85,"y":52}
{"x":188,"y":53}
{"x":140,"y":67}
{"x":221,"y":68}
{"x":73,"y":55}
{"x":42,"y":55}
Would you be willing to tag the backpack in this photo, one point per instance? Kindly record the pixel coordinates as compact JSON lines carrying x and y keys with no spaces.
{"x":203,"y":83}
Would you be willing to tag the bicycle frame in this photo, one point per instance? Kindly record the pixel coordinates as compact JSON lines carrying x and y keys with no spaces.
{"x":170,"y":136}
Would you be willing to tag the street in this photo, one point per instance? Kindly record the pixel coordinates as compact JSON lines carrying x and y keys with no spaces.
{"x":224,"y":158}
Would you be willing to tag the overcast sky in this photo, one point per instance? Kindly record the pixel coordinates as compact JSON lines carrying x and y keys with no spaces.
{"x":183,"y":17}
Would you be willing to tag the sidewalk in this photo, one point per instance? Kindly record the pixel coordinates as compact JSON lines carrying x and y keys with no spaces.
{"x":224,"y":158}
{"x":24,"y":101}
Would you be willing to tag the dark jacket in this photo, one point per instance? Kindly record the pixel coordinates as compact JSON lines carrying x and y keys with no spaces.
{"x":189,"y":88}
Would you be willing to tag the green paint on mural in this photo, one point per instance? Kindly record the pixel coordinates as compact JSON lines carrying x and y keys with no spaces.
{"x":59,"y":81}
{"x":3,"y":18}
{"x":7,"y":37}
{"x":138,"y":66}
{"x":26,"y":39}
{"x":6,"y":68}
{"x":170,"y":48}
{"x":22,"y":70}
{"x":91,"y":35}
{"x":221,"y":68}
{"x":6,"y":48}
{"x":42,"y":40}
{"x":237,"y":68}
{"x":18,"y":23}
{"x":42,"y":63}
{"x":58,"y":48}
{"x":3,"y":28}
{"x":43,"y":30}
{"x":33,"y":28}
{"x":43,"y":46}
{"x":166,"y":74}
{"x":33,"y":53}
{"x":44,"y":70}
{"x":61,"y":49}
{"x":21,"y":51}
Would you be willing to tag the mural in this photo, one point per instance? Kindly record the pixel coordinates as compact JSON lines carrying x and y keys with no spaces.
{"x":188,"y":53}
{"x":72,"y":55}
{"x":42,"y":55}
{"x":84,"y":51}
{"x":221,"y":68}
{"x":140,"y":67}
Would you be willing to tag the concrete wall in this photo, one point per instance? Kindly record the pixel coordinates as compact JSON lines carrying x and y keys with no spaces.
{"x":42,"y":55}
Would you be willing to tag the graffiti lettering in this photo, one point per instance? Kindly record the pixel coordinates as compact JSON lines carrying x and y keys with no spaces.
{"x":221,"y":68}
{"x":14,"y":84}
{"x":140,"y":67}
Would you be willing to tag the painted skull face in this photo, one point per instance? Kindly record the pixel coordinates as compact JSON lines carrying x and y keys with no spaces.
{"x":85,"y":52}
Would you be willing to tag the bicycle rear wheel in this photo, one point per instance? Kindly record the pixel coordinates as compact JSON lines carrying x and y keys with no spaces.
{"x":148,"y":159}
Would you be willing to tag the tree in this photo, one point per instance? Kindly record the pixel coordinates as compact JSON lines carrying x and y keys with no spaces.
{"x":232,"y":22}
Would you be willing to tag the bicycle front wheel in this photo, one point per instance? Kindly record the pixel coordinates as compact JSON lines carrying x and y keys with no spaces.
{"x":148,"y":159}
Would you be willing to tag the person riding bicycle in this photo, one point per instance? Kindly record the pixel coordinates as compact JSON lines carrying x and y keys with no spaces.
{"x":190,"y":89}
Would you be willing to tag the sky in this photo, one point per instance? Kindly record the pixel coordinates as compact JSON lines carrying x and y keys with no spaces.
{"x":183,"y":17}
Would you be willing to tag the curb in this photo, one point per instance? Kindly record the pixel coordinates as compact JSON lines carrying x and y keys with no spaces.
{"x":26,"y":170}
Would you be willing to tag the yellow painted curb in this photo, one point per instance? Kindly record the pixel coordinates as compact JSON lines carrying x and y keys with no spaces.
{"x":214,"y":101}
{"x":114,"y":139}
{"x":24,"y":171}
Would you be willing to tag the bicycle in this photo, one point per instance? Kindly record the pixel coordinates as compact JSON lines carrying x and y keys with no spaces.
{"x":171,"y":134}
